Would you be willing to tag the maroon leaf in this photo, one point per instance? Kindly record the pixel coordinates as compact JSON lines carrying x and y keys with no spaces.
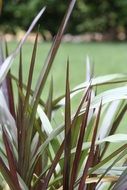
{"x":11,"y":158}
{"x":79,"y":145}
{"x":8,"y":176}
{"x":67,"y":141}
{"x":91,"y":153}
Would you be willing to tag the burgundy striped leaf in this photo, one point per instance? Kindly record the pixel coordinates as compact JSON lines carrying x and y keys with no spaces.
{"x":31,"y":71}
{"x":8,"y":176}
{"x":52,"y":168}
{"x":67,"y":139}
{"x":80,"y":143}
{"x":48,"y":105}
{"x":60,"y":151}
{"x":9,"y":86}
{"x":91,"y":153}
{"x":52,"y":53}
{"x":43,"y":76}
{"x":11,"y":158}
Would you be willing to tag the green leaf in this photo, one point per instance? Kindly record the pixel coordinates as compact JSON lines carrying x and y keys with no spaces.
{"x":122,"y":181}
{"x":108,"y":97}
{"x":22,"y":183}
{"x":108,"y":118}
{"x":117,"y":138}
{"x":114,"y":162}
{"x":108,"y":158}
{"x":115,"y":125}
{"x":101,"y":80}
{"x":114,"y":171}
{"x":46,"y":125}
{"x":104,"y":161}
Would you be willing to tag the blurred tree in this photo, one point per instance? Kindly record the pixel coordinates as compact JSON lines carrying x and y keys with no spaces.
{"x":88,"y":16}
{"x":1,"y":2}
{"x":20,"y":13}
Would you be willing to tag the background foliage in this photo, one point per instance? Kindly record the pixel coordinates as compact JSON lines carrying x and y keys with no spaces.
{"x":88,"y":16}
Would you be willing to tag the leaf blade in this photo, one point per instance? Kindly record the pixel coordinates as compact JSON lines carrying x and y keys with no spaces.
{"x":67,"y":141}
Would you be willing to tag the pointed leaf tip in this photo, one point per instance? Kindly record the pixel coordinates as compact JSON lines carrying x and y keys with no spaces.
{"x":9,"y":60}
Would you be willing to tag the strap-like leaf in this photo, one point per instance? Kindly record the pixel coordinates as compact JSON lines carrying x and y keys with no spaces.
{"x":67,"y":141}
{"x":48,"y":105}
{"x":91,"y":153}
{"x":98,"y":81}
{"x":80,"y":143}
{"x":11,"y":158}
{"x":31,"y":70}
{"x":50,"y":58}
{"x":114,"y":127}
{"x":122,"y":182}
{"x":8,"y":176}
{"x":114,"y":162}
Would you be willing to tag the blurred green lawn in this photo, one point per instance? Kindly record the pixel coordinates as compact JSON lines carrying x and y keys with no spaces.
{"x":107,"y":58}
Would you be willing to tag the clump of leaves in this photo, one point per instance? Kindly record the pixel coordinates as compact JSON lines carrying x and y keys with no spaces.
{"x":33,"y":154}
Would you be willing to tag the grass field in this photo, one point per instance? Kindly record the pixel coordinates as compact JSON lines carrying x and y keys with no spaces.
{"x":106,"y":57}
